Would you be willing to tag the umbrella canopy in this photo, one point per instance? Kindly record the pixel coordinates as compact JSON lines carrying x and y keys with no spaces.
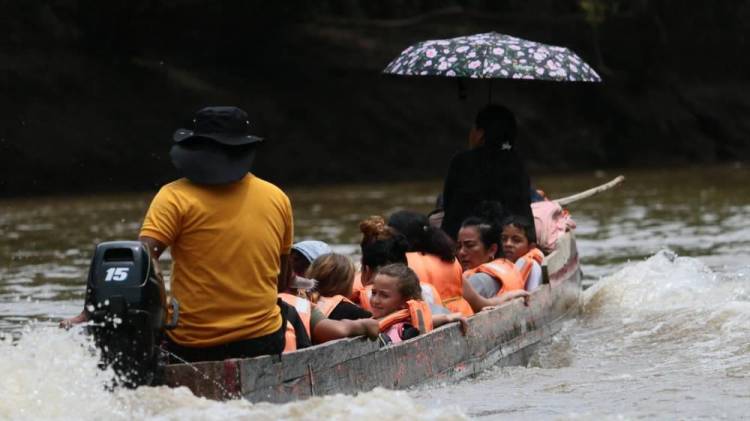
{"x":489,"y":56}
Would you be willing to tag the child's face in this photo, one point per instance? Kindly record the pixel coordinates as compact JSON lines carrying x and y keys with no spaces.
{"x":515,"y":243}
{"x":385,"y":297}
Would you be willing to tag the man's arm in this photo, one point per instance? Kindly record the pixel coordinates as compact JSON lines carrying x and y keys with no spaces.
{"x":154,"y":246}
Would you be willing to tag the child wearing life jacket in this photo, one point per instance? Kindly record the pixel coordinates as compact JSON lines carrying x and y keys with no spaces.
{"x":518,"y":248}
{"x":489,"y":278}
{"x":306,"y":325}
{"x":301,"y":256}
{"x":382,"y":245}
{"x":398,"y":306}
{"x":432,"y":257}
{"x":334,"y":276}
{"x":304,"y":252}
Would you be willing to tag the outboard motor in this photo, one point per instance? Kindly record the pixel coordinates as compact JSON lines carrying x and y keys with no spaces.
{"x":126,"y":306}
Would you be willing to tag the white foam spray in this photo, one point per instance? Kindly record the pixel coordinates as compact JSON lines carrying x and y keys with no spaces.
{"x":53,"y":374}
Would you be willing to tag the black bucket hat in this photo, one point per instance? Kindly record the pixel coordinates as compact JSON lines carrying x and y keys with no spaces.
{"x":219,"y":149}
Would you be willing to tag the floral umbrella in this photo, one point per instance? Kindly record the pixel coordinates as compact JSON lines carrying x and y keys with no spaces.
{"x":490,"y":56}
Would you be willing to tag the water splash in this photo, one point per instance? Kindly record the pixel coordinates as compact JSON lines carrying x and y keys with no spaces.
{"x":665,"y":337}
{"x":663,"y":281}
{"x":677,"y":305}
{"x":53,"y":374}
{"x":173,"y":404}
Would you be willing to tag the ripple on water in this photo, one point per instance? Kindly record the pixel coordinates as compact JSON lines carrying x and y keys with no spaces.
{"x":35,"y":227}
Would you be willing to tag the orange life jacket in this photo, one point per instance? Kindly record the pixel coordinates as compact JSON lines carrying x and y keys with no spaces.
{"x":363,"y":298}
{"x":327,"y":304}
{"x":417,"y":314}
{"x":534,"y":255}
{"x":445,"y":277}
{"x":304,"y":309}
{"x":356,"y":287}
{"x":503,"y":270}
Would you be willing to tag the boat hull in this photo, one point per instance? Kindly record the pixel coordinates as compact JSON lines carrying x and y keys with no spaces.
{"x":503,"y":336}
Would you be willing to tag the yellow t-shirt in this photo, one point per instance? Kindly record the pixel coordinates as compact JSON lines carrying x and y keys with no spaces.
{"x":225,"y":243}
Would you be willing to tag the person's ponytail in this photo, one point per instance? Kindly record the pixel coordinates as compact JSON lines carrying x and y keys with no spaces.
{"x":421,"y":235}
{"x":439,"y":243}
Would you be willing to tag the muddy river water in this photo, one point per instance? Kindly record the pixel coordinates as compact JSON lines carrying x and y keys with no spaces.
{"x":664,"y":333}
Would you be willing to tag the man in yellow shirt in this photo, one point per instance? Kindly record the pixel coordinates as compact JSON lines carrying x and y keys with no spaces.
{"x":230,"y":234}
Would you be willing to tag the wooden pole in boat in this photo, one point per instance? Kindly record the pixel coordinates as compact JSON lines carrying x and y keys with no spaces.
{"x":590,"y":192}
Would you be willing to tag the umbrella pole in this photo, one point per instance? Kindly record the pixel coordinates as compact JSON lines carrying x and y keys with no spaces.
{"x":489,"y":96}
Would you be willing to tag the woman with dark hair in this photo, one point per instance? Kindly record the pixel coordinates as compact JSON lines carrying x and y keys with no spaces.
{"x":431,"y":257}
{"x":382,"y":245}
{"x":489,"y":279}
{"x":491,"y":170}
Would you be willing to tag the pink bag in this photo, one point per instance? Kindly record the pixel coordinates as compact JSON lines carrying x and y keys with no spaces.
{"x":551,"y":221}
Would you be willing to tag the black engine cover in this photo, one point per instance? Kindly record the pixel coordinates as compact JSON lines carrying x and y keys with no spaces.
{"x":126,"y":304}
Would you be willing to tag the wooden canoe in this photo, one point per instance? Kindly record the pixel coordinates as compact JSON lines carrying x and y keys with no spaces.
{"x":503,"y":336}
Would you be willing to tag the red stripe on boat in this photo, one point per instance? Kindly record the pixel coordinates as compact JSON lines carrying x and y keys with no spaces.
{"x":231,"y":379}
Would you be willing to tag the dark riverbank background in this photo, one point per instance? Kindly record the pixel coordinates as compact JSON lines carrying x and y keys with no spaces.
{"x":90,"y":92}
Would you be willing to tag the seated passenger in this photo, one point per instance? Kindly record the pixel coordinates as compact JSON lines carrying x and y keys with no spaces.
{"x":431,"y":256}
{"x":381,"y":245}
{"x":304,"y":252}
{"x":517,"y":248}
{"x":334,"y":276}
{"x":486,"y":276}
{"x":306,"y":324}
{"x":296,"y":313}
{"x":397,"y":304}
{"x":300,"y":257}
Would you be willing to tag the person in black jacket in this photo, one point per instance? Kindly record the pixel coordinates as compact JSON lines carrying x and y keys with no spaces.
{"x":491,"y":171}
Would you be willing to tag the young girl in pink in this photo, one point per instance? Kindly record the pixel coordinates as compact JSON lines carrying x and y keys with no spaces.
{"x":397,"y":304}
